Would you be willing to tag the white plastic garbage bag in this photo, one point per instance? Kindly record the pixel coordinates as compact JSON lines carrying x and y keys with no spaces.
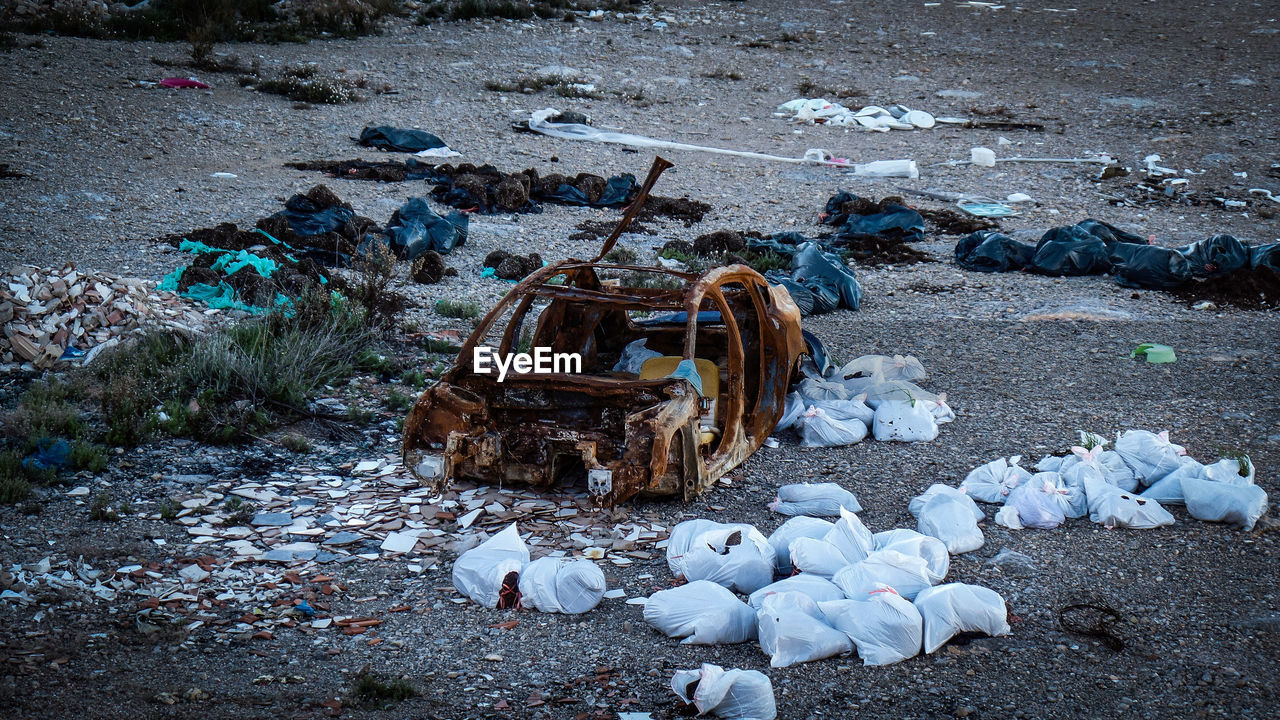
{"x":814,"y":499}
{"x":1050,"y":463}
{"x":1150,"y":455}
{"x":1168,"y":489}
{"x":561,"y":585}
{"x":941,"y":411}
{"x":909,"y":542}
{"x":793,"y":630}
{"x":904,"y":421}
{"x":1071,"y":498}
{"x":815,"y":586}
{"x":737,"y":558}
{"x":853,"y":538}
{"x":855,"y":408}
{"x":796,"y":527}
{"x":884,"y":367}
{"x":792,"y":407}
{"x":728,"y":694}
{"x":685,"y":534}
{"x":479,"y":572}
{"x":1113,"y":507}
{"x":992,"y":482}
{"x":1007,"y":516}
{"x":896,"y":391}
{"x":1107,"y":463}
{"x":918,"y":502}
{"x":1211,"y":501}
{"x":819,"y":429}
{"x":817,"y":557}
{"x":701,"y":612}
{"x":813,"y":390}
{"x":948,"y":610}
{"x":633,"y":357}
{"x":949,"y":515}
{"x":906,"y":574}
{"x":1230,"y":470}
{"x":885,"y":627}
{"x":1037,"y":503}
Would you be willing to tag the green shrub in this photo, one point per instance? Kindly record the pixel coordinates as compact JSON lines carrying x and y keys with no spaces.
{"x":457,"y":309}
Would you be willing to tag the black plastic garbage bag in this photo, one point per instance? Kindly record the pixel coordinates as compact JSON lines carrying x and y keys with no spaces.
{"x":991,"y":251}
{"x":783,"y":243}
{"x":308,"y":217}
{"x":415,"y":228}
{"x":1217,"y":255}
{"x":385,"y":137}
{"x":825,"y":275}
{"x":800,"y":294}
{"x":1109,"y":233}
{"x":618,"y":190}
{"x":1265,"y":256}
{"x":895,"y":220}
{"x":817,"y":352}
{"x":1070,"y":250}
{"x":1149,"y":266}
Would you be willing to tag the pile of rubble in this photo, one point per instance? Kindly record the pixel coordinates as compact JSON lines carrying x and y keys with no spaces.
{"x":54,"y":314}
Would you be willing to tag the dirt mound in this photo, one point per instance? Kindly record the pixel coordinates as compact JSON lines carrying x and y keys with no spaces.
{"x":1249,"y":288}
{"x":881,"y":250}
{"x":510,"y":266}
{"x":950,"y":222}
{"x":720,"y":241}
{"x":682,"y":209}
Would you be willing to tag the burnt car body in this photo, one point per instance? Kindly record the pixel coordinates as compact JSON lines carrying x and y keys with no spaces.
{"x":628,"y":433}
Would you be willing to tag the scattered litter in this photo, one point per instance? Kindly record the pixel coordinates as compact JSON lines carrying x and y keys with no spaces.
{"x":178,"y":82}
{"x":1154,"y":353}
{"x":539,"y":122}
{"x":385,"y":137}
{"x":45,"y":313}
{"x":872,"y":117}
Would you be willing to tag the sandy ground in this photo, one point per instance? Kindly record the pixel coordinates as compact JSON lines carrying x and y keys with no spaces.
{"x":112,"y":164}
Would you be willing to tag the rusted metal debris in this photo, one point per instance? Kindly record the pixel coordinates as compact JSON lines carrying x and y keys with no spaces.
{"x":628,"y":434}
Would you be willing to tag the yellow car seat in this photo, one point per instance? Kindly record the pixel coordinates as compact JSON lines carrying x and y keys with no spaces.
{"x":660,"y":367}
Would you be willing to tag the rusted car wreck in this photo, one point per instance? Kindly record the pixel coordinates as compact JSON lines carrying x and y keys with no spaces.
{"x":719,"y":350}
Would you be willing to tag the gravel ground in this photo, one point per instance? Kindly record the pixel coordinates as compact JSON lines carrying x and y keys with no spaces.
{"x":112,"y":164}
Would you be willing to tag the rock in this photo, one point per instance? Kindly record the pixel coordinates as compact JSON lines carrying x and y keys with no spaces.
{"x":276,"y":519}
{"x":194,"y":573}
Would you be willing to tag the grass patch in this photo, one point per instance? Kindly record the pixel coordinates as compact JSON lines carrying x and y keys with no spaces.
{"x":294,"y":442}
{"x":220,"y":20}
{"x":567,"y":87}
{"x":457,"y":309}
{"x":722,"y":73}
{"x":399,"y":402}
{"x":414,"y":378}
{"x":382,"y":691}
{"x":810,"y":89}
{"x":621,"y":256}
{"x":222,"y":386}
{"x":169,"y":509}
{"x":239,"y":512}
{"x":100,"y":509}
{"x":303,"y":83}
